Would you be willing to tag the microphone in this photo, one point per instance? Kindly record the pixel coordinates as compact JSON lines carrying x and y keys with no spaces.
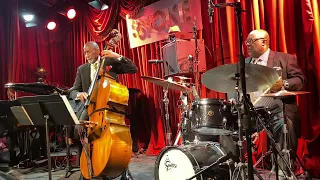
{"x":210,"y":11}
{"x":155,"y":61}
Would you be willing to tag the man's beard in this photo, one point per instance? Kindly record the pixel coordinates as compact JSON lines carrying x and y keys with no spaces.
{"x":92,"y":61}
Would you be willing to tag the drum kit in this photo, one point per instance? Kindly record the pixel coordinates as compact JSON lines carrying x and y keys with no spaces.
{"x":204,"y":120}
{"x":204,"y":152}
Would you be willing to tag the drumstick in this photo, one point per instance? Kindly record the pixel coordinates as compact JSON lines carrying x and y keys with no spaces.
{"x":263,"y":94}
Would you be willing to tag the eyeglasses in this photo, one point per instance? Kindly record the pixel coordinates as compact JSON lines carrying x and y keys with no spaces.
{"x":251,"y":41}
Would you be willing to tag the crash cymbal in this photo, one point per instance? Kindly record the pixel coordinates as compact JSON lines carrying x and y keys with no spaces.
{"x":166,"y":83}
{"x":284,"y":93}
{"x":222,"y":78}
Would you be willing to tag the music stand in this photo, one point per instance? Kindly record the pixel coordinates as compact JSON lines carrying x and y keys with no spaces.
{"x":45,"y":110}
{"x":7,"y":119}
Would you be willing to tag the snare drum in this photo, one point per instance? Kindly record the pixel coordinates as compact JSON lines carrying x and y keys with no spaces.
{"x":212,"y":117}
{"x":180,"y":163}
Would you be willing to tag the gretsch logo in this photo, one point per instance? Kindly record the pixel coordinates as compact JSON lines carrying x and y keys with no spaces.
{"x":168,"y":164}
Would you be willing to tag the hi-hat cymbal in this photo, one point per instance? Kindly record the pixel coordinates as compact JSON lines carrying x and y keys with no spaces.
{"x":223,"y":79}
{"x":166,"y":83}
{"x":284,"y":93}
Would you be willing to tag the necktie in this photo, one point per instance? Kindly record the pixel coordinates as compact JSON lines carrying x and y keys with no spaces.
{"x":94,"y":70}
{"x":95,"y":66}
{"x":257,"y":61}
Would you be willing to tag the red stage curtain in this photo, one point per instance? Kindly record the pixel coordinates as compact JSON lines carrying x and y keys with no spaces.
{"x":100,"y":23}
{"x":293,"y":26}
{"x":131,"y":7}
{"x":23,"y":50}
{"x":3,"y":54}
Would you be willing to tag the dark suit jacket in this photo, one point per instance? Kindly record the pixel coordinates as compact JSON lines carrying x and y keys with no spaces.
{"x":83,"y":81}
{"x":293,"y":74}
{"x":290,"y":69}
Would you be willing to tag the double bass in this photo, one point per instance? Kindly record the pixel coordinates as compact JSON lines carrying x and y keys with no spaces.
{"x":107,"y":143}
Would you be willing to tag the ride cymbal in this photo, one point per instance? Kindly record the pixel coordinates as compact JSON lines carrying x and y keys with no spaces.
{"x":223,"y":78}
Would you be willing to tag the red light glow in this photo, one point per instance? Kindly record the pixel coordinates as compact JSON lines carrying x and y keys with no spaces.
{"x":51,"y":25}
{"x":71,"y":13}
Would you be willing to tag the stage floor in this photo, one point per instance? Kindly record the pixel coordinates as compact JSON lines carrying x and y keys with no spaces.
{"x":141,"y":168}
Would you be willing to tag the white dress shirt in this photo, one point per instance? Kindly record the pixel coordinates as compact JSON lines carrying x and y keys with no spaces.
{"x":263,"y":59}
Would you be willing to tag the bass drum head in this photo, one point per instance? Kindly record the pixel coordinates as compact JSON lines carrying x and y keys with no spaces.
{"x":181,"y":163}
{"x":175,"y":163}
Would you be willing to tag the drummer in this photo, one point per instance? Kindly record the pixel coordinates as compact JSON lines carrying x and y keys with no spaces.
{"x":258,"y":45}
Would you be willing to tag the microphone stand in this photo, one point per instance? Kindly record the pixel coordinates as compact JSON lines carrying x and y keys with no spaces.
{"x":246,"y":118}
{"x":196,"y":57}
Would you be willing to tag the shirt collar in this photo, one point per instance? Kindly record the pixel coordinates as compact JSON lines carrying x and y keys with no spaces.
{"x":97,"y":61}
{"x":264,"y":57}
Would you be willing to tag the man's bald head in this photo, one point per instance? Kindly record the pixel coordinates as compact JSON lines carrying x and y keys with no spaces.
{"x":258,"y":42}
{"x":91,"y":51}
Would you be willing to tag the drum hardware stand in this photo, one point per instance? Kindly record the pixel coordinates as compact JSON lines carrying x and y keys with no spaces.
{"x":240,"y":165}
{"x":287,"y":152}
{"x":246,"y":118}
{"x":69,"y":169}
{"x":285,"y":129}
{"x":276,"y":149}
{"x":166,"y":105}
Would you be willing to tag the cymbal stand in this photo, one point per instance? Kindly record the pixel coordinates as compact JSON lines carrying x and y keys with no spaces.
{"x":285,"y":136}
{"x":246,"y":118}
{"x":285,"y":129}
{"x":288,"y":152}
{"x":241,"y":164}
{"x":167,"y":124}
{"x":276,"y":149}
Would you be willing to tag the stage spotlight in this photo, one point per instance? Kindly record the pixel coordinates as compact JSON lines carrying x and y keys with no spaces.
{"x":98,"y":5}
{"x":29,"y":20}
{"x":28,"y":17}
{"x":71,"y":13}
{"x":51,"y":25}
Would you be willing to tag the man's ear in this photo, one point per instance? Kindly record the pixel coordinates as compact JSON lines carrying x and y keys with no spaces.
{"x":264,"y":42}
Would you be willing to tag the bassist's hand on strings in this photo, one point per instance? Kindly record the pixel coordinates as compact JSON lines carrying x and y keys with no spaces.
{"x":82,"y":96}
{"x":88,"y":124}
{"x":110,"y":54}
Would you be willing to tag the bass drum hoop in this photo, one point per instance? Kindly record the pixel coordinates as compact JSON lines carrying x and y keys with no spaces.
{"x":189,"y":155}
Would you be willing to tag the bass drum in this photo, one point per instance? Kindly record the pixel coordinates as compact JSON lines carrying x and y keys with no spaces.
{"x":181,"y":163}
